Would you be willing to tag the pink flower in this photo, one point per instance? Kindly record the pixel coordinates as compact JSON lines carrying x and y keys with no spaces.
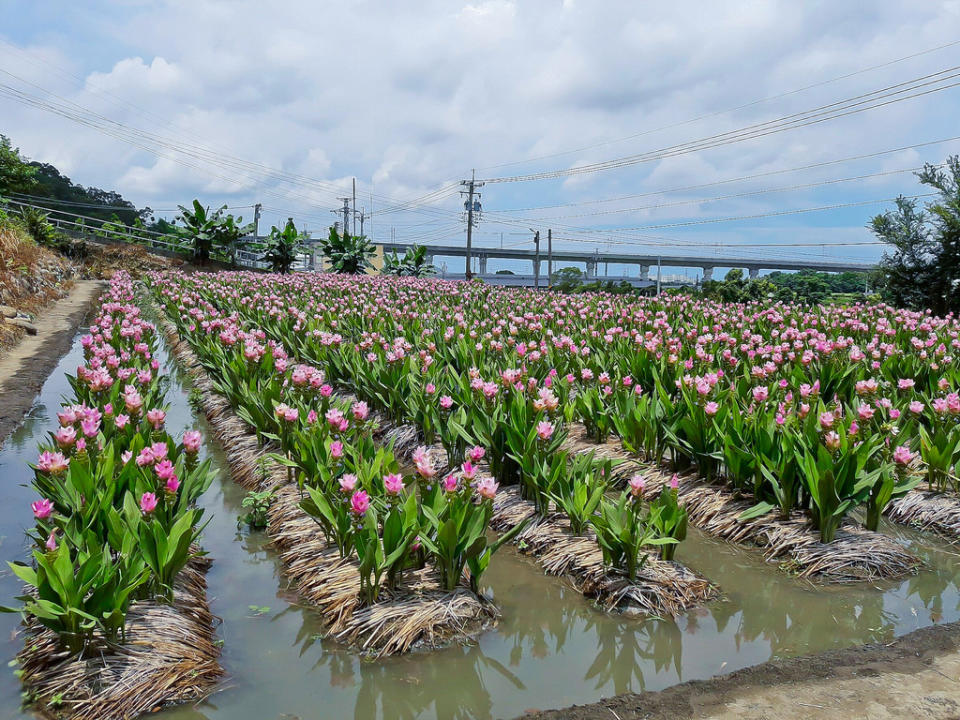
{"x":487,"y":488}
{"x":348,"y":483}
{"x":360,"y":411}
{"x":674,"y":482}
{"x":430,"y":389}
{"x":446,"y":402}
{"x":905,"y":383}
{"x":81,"y":445}
{"x":145,"y":457}
{"x":51,"y":543}
{"x":164,"y":469}
{"x":637,"y":485}
{"x":156,"y":417}
{"x":192,"y":440}
{"x":326,"y":391}
{"x":902,"y":455}
{"x":450,"y":483}
{"x":831,"y":440}
{"x":359,"y":502}
{"x":544,"y":430}
{"x":916,"y":407}
{"x":336,"y":449}
{"x":125,"y":456}
{"x":148,"y":503}
{"x":865,"y":412}
{"x":476,"y":453}
{"x":42,"y":509}
{"x":172,"y":485}
{"x":711,"y":408}
{"x":65,"y":436}
{"x":53,"y":463}
{"x":760,"y":394}
{"x":393,"y":483}
{"x":468,"y":470}
{"x":826,"y":420}
{"x":121,"y":421}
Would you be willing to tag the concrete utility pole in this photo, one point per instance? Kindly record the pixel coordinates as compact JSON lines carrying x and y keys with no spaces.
{"x":471,"y":186}
{"x":346,"y":215}
{"x":354,"y":206}
{"x":536,"y":260}
{"x":658,"y":275}
{"x":550,"y":258}
{"x":256,"y":221}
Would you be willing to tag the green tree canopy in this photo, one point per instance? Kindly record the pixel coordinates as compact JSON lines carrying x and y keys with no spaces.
{"x":923,"y":268}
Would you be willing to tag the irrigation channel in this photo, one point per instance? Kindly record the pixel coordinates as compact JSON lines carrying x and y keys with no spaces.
{"x":550,"y":649}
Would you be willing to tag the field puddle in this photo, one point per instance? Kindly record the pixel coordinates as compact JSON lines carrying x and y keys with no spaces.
{"x":550,"y":649}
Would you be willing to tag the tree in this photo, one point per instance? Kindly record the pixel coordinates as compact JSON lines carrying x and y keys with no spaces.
{"x":283,"y":246}
{"x":413,"y":264}
{"x":211,"y":230}
{"x":16,"y":175}
{"x":923,"y":270}
{"x":567,"y":279}
{"x":346,"y":253}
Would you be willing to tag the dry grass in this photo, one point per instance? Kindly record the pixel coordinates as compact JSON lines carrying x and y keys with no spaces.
{"x":854,"y":555}
{"x":31,"y":277}
{"x":418,"y":614}
{"x":170,"y":657}
{"x":662,"y":588}
{"x":937,"y":512}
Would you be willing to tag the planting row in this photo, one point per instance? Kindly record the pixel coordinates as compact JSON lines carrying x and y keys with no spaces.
{"x":115,"y":531}
{"x":818,"y":411}
{"x":390,"y":521}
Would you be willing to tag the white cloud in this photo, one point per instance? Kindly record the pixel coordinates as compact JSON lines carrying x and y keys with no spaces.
{"x":409,"y":96}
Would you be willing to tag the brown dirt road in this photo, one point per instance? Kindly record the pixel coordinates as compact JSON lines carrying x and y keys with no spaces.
{"x":916,"y":676}
{"x":25,"y":366}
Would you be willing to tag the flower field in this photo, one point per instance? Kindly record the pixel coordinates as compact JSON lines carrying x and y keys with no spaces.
{"x":395,"y":434}
{"x":791,"y":428}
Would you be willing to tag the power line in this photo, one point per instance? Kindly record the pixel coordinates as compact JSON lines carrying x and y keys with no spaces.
{"x":823,"y":113}
{"x":729,"y":110}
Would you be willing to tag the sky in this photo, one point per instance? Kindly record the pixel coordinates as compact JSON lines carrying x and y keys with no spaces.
{"x":286,"y":103}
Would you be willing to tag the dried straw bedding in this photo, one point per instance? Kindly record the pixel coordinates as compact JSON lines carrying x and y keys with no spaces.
{"x":933,"y":511}
{"x":170,"y":656}
{"x":419,"y":614}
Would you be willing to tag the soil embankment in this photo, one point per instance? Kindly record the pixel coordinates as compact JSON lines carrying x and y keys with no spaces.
{"x":917,"y":675}
{"x":25,"y":366}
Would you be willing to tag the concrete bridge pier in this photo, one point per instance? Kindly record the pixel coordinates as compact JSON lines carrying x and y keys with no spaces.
{"x":482,"y":259}
{"x":591,"y":268}
{"x":754,"y":273}
{"x":644,"y":272}
{"x":707,"y":273}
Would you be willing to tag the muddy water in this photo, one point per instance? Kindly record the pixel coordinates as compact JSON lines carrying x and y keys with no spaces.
{"x":551,"y":648}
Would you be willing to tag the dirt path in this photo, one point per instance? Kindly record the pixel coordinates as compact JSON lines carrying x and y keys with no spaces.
{"x":25,"y":366}
{"x":917,"y":676}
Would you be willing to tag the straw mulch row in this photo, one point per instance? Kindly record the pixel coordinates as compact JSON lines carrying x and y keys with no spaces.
{"x":933,"y":511}
{"x":663,"y":589}
{"x":419,"y":614}
{"x":854,"y":555}
{"x":170,"y":656}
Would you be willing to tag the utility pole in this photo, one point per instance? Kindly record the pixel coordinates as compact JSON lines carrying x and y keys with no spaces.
{"x":471,"y":186}
{"x":550,"y":258}
{"x":536,"y":260}
{"x":256,"y":221}
{"x":658,"y":275}
{"x":354,"y":207}
{"x":346,"y":215}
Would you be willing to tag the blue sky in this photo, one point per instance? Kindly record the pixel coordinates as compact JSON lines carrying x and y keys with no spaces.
{"x":285,"y":103}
